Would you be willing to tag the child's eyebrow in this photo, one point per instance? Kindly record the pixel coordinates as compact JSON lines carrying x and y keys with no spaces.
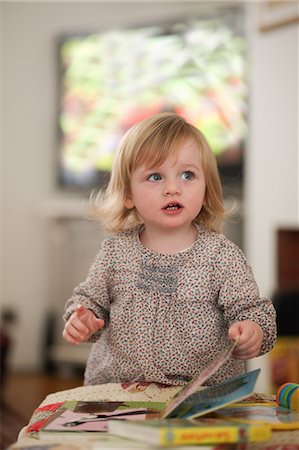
{"x":148,"y":169}
{"x":157,"y":168}
{"x":191,"y":166}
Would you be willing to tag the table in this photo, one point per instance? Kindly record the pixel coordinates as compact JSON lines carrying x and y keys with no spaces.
{"x":29,"y":437}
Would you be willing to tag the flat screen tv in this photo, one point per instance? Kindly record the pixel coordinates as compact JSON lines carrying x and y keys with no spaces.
{"x":111,"y":79}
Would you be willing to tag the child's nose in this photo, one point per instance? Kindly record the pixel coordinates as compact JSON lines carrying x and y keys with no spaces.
{"x":172,"y":187}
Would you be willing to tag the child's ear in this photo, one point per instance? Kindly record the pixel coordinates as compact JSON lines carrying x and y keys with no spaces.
{"x":129,"y":204}
{"x":204,"y":202}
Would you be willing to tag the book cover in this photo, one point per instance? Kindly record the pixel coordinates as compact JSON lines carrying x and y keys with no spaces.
{"x":165,"y":432}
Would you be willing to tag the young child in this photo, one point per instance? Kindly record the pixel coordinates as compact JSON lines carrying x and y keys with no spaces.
{"x":166,"y":292}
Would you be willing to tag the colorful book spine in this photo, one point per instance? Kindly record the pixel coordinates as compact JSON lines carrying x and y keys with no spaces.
{"x":214,"y":435}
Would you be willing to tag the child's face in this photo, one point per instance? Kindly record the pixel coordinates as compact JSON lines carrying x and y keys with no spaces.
{"x":172,"y":194}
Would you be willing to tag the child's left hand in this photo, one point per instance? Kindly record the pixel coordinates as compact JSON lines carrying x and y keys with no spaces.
{"x":250,"y":336}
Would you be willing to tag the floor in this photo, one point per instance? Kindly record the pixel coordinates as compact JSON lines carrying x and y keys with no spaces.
{"x":22,"y":393}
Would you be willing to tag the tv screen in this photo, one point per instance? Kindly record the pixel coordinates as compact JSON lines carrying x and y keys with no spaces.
{"x":110,"y":80}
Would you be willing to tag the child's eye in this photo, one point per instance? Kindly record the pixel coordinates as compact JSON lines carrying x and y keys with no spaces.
{"x":154,"y":177}
{"x":188,"y":175}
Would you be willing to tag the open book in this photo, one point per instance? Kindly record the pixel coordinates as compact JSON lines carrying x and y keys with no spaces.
{"x":189,"y":402}
{"x":213,"y":398}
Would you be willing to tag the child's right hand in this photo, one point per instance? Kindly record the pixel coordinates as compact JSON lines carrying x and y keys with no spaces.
{"x":81,"y":325}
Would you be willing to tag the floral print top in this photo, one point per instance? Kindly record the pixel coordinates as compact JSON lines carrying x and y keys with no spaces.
{"x":167,"y":316}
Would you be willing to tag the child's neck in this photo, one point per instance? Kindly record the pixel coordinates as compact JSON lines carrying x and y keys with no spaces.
{"x":170,"y":241}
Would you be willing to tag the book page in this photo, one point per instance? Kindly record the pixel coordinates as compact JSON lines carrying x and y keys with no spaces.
{"x":199,"y":379}
{"x":214,"y":397}
{"x":70,"y":421}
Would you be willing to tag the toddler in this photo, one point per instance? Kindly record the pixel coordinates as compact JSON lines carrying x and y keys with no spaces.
{"x":167,"y":291}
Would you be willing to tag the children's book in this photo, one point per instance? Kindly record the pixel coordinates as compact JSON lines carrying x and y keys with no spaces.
{"x":88,"y":430}
{"x":193,"y":400}
{"x":215,"y":397}
{"x":67,"y":421}
{"x":166,"y":432}
{"x":198,"y":379}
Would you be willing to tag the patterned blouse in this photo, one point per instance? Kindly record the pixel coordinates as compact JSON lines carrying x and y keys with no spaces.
{"x":167,"y":316}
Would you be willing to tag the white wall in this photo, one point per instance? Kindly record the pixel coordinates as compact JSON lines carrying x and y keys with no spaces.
{"x":29,"y":100}
{"x":272,"y":156}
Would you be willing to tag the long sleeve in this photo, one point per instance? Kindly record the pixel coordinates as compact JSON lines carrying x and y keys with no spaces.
{"x":239,"y":295}
{"x":93,"y":293}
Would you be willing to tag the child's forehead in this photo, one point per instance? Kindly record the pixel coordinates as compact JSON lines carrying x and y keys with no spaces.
{"x":152,"y":156}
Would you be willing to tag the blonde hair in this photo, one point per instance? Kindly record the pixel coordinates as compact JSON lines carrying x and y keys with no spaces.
{"x":149,"y":143}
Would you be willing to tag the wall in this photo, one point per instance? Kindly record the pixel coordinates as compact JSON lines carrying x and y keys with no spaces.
{"x":272,"y":158}
{"x":271,"y":189}
{"x":29,"y":100}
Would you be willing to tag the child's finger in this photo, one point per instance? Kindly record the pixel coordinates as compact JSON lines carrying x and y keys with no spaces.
{"x":69,"y":338}
{"x":90,"y":320}
{"x":78,"y":323}
{"x":82,"y":327}
{"x":246,"y":354}
{"x":73,"y":331}
{"x":246,"y":342}
{"x":248,"y":350}
{"x":234,"y":331}
{"x":99,"y":323}
{"x":81,"y":310}
{"x":247,"y":347}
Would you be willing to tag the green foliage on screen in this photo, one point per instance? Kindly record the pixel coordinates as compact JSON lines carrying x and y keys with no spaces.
{"x":113,"y":79}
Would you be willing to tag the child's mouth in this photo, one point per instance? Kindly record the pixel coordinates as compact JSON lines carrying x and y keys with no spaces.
{"x":172,"y":207}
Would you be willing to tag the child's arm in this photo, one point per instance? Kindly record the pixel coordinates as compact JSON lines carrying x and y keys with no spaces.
{"x":246,"y":314}
{"x":250,"y":340}
{"x":81,"y":325}
{"x":93,"y":295}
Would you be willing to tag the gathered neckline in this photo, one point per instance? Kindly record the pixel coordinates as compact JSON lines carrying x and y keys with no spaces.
{"x":181,"y":253}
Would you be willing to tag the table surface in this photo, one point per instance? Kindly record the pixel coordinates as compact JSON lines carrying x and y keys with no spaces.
{"x":130,"y":392}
